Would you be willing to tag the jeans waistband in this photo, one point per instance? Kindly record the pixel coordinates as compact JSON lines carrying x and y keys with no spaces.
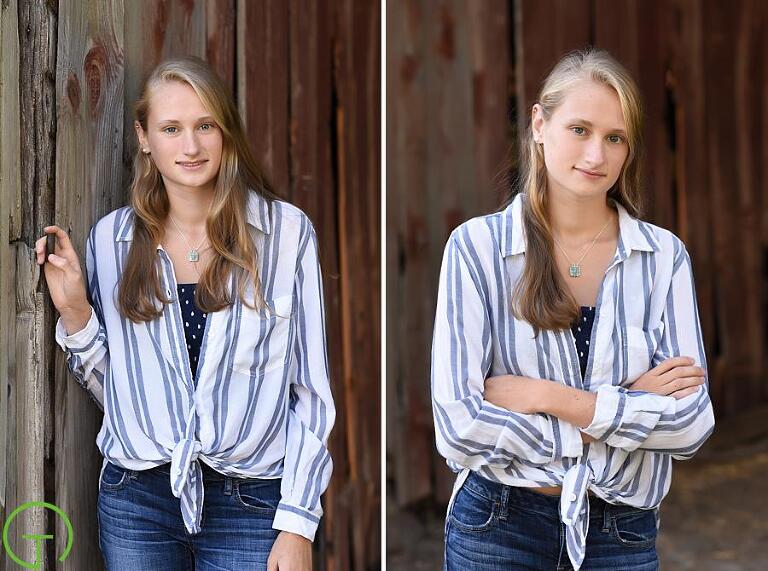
{"x":209,"y":474}
{"x":543,"y":504}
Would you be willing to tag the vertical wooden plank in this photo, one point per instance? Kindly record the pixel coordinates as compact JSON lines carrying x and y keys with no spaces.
{"x":545,"y":30}
{"x":312,"y":139}
{"x":89,"y":80}
{"x":10,"y":218}
{"x":735,"y":215}
{"x":31,"y":396}
{"x":221,"y":29}
{"x":627,"y":29}
{"x":406,"y":184}
{"x":155,"y":31}
{"x":31,"y":346}
{"x":262,"y":85}
{"x":762,"y":185}
{"x":10,"y":230}
{"x":448,"y":84}
{"x":356,"y":73}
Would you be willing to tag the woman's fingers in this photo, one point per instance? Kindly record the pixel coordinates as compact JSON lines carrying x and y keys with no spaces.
{"x":679,"y":372}
{"x":669,"y":364}
{"x":684,"y":393}
{"x":40,"y":249}
{"x":58,"y":261}
{"x":62,"y":240}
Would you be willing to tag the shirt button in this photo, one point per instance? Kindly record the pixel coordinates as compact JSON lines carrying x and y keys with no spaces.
{"x":573,"y":497}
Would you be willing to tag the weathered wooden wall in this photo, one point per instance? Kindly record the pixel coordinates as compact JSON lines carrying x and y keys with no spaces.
{"x":702,"y":67}
{"x":306,"y":77}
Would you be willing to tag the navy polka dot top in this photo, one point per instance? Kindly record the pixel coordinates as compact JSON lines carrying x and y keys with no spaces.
{"x":582,"y":331}
{"x":194,"y":323}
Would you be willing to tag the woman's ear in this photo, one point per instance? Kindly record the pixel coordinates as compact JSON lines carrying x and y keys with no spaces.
{"x":143,"y":142}
{"x":537,"y":123}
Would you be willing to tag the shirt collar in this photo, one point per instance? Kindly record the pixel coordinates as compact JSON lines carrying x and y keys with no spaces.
{"x":257,"y":215}
{"x":633,"y":233}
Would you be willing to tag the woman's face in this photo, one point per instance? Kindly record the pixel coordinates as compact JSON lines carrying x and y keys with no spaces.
{"x":184,"y":140}
{"x":585,"y":140}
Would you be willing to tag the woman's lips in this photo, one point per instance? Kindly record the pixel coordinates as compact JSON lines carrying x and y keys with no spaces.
{"x":590,"y":174}
{"x":192,"y":165}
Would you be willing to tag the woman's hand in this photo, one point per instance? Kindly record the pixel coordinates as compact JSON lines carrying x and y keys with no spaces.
{"x":290,"y":552}
{"x":517,"y":394}
{"x":676,"y":377}
{"x":65,"y":279}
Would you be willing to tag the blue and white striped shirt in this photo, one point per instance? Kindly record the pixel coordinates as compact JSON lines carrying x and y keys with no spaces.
{"x":261,"y":405}
{"x":646,"y":312}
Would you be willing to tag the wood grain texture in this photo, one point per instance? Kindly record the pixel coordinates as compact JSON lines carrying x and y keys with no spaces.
{"x":155,"y":31}
{"x":447,"y":82}
{"x":10,"y":228}
{"x":89,"y":86}
{"x":263,"y":84}
{"x":357,"y":120}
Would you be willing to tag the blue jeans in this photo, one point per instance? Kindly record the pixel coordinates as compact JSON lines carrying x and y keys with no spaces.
{"x":492,"y":527}
{"x":140,"y":524}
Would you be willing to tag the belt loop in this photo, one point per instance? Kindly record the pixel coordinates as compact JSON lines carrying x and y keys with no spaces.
{"x":607,"y":515}
{"x":503,"y":508}
{"x":227,"y":486}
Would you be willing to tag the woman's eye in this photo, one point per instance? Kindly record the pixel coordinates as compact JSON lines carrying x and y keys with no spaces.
{"x":170,"y":130}
{"x":615,"y":139}
{"x":206,"y":126}
{"x":578,"y":130}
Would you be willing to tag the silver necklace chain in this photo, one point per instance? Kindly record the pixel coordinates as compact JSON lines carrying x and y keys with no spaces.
{"x":194,"y":253}
{"x":574,"y":270}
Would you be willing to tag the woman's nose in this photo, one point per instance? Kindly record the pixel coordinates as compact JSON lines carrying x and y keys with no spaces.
{"x":190,"y":145}
{"x":595,"y":153}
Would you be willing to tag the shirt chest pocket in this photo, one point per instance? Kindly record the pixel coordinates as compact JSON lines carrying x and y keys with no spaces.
{"x":262,"y":341}
{"x":640,"y":347}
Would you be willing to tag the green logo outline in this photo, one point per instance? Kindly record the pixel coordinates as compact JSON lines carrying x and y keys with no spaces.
{"x":24,"y":507}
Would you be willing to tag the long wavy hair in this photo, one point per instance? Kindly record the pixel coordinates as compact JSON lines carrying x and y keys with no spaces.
{"x":541,"y":297}
{"x":228,"y":234}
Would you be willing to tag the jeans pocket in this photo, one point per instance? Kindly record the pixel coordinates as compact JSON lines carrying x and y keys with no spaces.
{"x":114,"y":478}
{"x":261,"y":496}
{"x":473,"y":512}
{"x":636,"y":528}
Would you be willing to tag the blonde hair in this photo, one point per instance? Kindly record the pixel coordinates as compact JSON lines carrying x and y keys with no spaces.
{"x":226,"y":226}
{"x":540,"y":297}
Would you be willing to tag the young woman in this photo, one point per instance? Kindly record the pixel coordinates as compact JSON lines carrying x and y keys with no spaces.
{"x":199,"y":330}
{"x":568,"y":367}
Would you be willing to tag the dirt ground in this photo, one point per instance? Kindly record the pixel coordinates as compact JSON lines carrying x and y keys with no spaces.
{"x":715,"y":517}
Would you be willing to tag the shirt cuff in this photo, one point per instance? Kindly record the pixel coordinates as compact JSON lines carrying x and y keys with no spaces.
{"x":623,"y":418}
{"x":296,"y":520}
{"x":570,"y":437}
{"x":80,"y":340}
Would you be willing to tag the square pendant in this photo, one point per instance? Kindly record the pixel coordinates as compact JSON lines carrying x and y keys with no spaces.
{"x":574,"y":270}
{"x":193,"y":256}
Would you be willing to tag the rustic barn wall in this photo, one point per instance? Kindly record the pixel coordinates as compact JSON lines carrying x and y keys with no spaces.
{"x":306,"y":77}
{"x":703,"y":72}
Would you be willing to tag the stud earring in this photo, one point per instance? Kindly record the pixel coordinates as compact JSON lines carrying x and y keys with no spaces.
{"x":145,"y":151}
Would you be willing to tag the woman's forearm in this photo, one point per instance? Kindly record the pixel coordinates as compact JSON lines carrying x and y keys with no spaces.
{"x":530,"y":396}
{"x":567,"y":403}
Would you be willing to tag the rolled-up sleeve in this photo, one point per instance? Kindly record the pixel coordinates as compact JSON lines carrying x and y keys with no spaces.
{"x":632,"y":419}
{"x":311,"y":414}
{"x":470,"y":431}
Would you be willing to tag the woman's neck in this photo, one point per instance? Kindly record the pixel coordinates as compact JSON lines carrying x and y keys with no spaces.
{"x":189,"y":208}
{"x":577,"y":222}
